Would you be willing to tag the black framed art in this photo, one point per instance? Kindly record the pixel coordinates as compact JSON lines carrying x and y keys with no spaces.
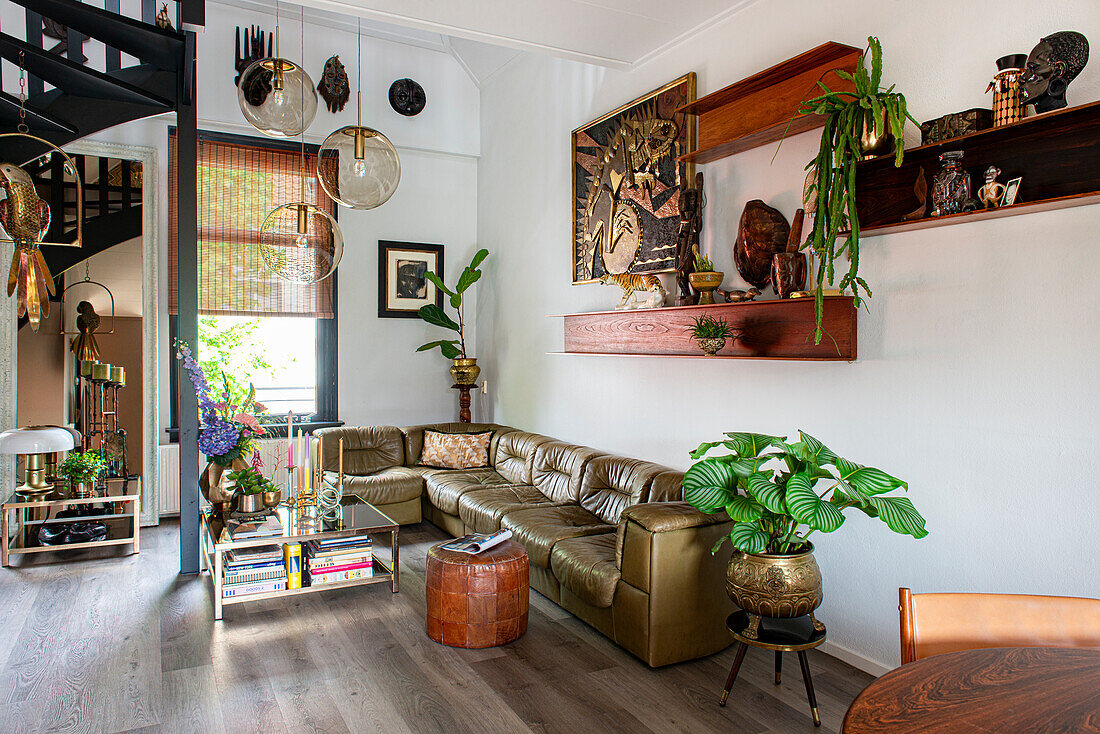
{"x":402,"y":285}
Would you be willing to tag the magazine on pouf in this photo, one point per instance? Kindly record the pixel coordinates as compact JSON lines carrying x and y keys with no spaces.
{"x":477,"y":542}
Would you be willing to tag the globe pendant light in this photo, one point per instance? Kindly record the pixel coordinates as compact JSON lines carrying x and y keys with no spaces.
{"x":276,"y":95}
{"x":358,"y":166}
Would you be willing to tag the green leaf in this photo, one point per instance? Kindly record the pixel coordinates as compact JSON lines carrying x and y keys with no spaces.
{"x":900,"y":515}
{"x":766,"y":492}
{"x":449,"y":347}
{"x":709,"y":485}
{"x":810,"y":449}
{"x":747,"y":537}
{"x":703,"y":449}
{"x":749,"y":445}
{"x":744,"y":509}
{"x":714,"y":548}
{"x":806,"y":507}
{"x":438,"y":283}
{"x":866,"y":481}
{"x":479,"y":257}
{"x":434,"y":315}
{"x":456,"y":301}
{"x":468,"y":278}
{"x":744,"y":468}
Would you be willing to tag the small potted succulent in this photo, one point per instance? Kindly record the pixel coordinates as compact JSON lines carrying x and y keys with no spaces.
{"x":251,"y":485}
{"x":82,"y":469}
{"x":769,"y":488}
{"x":464,"y":369}
{"x":711,"y":333}
{"x":705,"y":278}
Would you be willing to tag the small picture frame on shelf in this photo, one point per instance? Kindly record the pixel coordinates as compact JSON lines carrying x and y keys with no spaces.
{"x":403,"y":286}
{"x":1010,"y":191}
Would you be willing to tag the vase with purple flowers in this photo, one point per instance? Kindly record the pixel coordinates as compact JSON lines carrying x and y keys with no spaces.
{"x":227,"y":427}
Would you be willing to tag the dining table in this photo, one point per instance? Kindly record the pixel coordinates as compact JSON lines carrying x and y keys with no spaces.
{"x":1001,"y":689}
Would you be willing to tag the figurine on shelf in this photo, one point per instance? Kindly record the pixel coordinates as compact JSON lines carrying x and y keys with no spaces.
{"x":1008,"y":107}
{"x":739,"y":296}
{"x":633,"y":283}
{"x":1052,"y":65}
{"x":992,"y":193}
{"x":951,"y":186}
{"x":692,"y":202}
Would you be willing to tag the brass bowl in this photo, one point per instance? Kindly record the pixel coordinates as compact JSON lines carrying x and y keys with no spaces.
{"x":711,"y":345}
{"x":271,"y":499}
{"x":775,"y":586}
{"x":465,"y":371}
{"x":705,"y":281}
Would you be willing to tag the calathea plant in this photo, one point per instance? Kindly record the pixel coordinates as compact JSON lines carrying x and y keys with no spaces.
{"x":779,"y":493}
{"x":849,"y":116}
{"x":433,"y":314}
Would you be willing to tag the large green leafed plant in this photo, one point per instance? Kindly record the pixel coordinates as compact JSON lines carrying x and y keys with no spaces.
{"x":779,"y":493}
{"x":834,"y":185}
{"x":82,"y":466}
{"x":433,"y":314}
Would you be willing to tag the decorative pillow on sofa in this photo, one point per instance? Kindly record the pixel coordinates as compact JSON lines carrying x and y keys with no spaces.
{"x":455,"y":450}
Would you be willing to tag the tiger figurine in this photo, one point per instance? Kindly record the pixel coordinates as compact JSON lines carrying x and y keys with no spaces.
{"x":633,"y":283}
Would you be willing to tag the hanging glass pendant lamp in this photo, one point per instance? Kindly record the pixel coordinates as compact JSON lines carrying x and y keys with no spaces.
{"x":276,"y":95}
{"x":358,"y":166}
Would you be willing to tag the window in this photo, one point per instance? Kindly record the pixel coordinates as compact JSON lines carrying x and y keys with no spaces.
{"x":278,"y":335}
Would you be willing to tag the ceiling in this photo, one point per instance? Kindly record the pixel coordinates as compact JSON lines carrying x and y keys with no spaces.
{"x":485,"y":34}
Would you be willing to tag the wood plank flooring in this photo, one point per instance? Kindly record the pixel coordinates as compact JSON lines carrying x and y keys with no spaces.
{"x":124,"y":644}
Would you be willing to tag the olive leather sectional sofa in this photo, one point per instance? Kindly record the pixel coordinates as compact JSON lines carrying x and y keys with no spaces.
{"x":609,"y":538}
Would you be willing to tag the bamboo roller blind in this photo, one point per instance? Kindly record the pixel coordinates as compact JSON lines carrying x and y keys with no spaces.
{"x":238,"y":186}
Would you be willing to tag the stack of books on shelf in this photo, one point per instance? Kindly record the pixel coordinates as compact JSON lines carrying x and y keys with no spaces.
{"x":254,"y":571}
{"x":341,"y":559}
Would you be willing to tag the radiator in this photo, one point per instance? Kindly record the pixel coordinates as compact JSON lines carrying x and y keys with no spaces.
{"x":168,"y":471}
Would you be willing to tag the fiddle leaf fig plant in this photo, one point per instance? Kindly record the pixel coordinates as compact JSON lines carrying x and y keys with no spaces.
{"x":433,"y":314}
{"x":779,"y":493}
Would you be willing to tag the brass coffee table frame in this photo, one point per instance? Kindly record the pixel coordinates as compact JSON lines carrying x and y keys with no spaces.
{"x":126,"y":506}
{"x":214,"y":550}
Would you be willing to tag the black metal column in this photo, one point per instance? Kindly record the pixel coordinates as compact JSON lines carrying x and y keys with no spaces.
{"x":187,"y":284}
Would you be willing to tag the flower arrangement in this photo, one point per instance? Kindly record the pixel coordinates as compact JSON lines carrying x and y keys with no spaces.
{"x":226,"y":429}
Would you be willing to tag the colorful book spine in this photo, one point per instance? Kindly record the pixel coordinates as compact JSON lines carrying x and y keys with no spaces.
{"x":324,"y":545}
{"x":292,"y":554}
{"x":331,"y":578}
{"x":247,"y":576}
{"x":274,"y":562}
{"x":343,"y":558}
{"x":257,"y":587}
{"x":368,"y":563}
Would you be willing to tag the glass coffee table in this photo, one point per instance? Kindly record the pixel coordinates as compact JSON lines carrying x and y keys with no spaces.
{"x":354,"y":518}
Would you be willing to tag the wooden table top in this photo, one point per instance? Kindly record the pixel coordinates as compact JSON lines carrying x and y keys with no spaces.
{"x":1001,"y":689}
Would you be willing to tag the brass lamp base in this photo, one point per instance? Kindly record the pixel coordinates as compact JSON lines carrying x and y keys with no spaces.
{"x":36,"y":487}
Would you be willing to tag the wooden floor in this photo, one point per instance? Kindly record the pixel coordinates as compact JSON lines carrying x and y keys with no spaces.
{"x":115,"y":644}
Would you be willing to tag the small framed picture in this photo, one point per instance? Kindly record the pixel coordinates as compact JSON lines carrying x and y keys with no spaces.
{"x":402,"y":284}
{"x":1010,"y":191}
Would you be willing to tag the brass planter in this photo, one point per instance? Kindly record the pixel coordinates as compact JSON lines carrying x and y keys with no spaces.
{"x":871,"y":143}
{"x":705,"y":281}
{"x":215,"y":485}
{"x":777,"y":586}
{"x":251,"y":503}
{"x":82,"y":490}
{"x":271,"y":499}
{"x":711,"y":345}
{"x":465,"y":371}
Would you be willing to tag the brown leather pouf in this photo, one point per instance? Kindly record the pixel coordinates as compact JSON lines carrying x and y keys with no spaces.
{"x":477,"y":600}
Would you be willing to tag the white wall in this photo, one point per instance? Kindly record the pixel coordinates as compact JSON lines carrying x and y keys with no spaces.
{"x":976,"y":375}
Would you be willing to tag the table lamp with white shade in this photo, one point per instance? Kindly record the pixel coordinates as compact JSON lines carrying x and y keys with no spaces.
{"x":36,"y":442}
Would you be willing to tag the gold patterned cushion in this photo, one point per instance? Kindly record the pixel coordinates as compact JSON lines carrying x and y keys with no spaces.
{"x":455,"y":450}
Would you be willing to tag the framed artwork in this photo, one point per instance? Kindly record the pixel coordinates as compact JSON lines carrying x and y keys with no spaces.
{"x":1011,"y":190}
{"x":402,"y":286}
{"x":626,"y":184}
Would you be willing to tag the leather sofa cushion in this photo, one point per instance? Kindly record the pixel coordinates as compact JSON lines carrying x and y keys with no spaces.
{"x":612,"y":483}
{"x":515,"y":452}
{"x":446,"y":486}
{"x":455,"y":450}
{"x":664,"y":517}
{"x":557,"y":469}
{"x":482,"y":509}
{"x":667,"y":487}
{"x":539,"y":528}
{"x":586,"y":566}
{"x":396,"y":484}
{"x":414,"y":436}
{"x":366,"y":448}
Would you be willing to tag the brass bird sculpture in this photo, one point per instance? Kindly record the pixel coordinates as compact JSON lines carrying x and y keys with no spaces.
{"x":26,"y":218}
{"x":85,"y":346}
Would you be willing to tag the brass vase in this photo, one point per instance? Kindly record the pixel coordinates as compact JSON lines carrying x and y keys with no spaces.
{"x":776,"y":586}
{"x":216,"y":486}
{"x":465,"y":371}
{"x":870,"y":142}
{"x":82,"y":489}
{"x":705,"y":281}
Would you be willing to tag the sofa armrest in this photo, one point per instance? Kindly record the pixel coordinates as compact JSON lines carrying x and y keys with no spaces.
{"x":662,"y":517}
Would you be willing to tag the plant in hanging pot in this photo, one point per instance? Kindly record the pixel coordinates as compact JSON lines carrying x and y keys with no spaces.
{"x":464,"y":369}
{"x":227,"y":426}
{"x":779,"y":494}
{"x":705,"y":278}
{"x":82,"y":469}
{"x":711,"y":333}
{"x":857,"y":125}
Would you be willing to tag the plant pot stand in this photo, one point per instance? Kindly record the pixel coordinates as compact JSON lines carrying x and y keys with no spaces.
{"x":464,"y":401}
{"x":780,"y":635}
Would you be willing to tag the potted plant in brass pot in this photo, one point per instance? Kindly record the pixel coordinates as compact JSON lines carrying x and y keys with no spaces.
{"x":705,"y":278}
{"x":252,"y":486}
{"x":464,"y":369}
{"x":82,"y":469}
{"x":779,"y":494}
{"x":710,"y":333}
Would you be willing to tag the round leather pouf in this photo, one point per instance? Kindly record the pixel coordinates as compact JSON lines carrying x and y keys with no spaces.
{"x":477,"y":600}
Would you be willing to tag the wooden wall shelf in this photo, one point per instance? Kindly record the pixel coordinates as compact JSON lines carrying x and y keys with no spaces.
{"x":762,"y":108}
{"x":1057,"y":154}
{"x":780,"y":329}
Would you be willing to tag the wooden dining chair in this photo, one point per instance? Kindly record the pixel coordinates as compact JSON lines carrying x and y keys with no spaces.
{"x":932,"y":624}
